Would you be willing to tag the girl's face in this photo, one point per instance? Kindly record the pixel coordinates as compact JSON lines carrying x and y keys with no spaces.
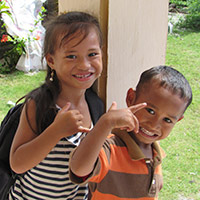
{"x":160,"y":115}
{"x":77,"y":64}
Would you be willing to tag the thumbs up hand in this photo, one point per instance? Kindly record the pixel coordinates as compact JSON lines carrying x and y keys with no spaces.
{"x":69,"y":122}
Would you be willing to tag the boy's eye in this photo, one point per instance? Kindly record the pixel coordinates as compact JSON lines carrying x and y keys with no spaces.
{"x":149,"y":110}
{"x":167,"y":120}
{"x":71,"y":56}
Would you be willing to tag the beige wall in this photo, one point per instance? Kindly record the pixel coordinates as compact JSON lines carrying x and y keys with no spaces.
{"x":91,"y":6}
{"x":135,"y":33}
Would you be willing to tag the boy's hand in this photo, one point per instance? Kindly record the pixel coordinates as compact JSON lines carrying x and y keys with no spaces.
{"x":134,"y":109}
{"x":69,"y":122}
{"x":124,"y":118}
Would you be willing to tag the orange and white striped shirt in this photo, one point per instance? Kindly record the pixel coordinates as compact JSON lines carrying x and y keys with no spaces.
{"x":122,"y":172}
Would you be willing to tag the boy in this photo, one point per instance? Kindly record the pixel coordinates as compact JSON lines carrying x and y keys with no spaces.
{"x":127,"y":165}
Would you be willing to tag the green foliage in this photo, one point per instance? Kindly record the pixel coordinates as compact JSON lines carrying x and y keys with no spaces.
{"x":180,"y":3}
{"x":4,"y":8}
{"x":12,"y":47}
{"x":192,"y":20}
{"x":9,"y":51}
{"x":11,"y":55}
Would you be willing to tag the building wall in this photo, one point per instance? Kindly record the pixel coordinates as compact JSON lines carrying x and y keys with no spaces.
{"x":135,"y":35}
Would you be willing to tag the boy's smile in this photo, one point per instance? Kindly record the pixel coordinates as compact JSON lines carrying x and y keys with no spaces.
{"x":160,"y":115}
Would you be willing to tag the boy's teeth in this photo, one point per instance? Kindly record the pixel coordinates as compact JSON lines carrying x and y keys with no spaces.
{"x":147,"y":132}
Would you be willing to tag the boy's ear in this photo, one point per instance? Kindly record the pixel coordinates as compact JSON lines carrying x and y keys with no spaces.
{"x":181,"y":118}
{"x":130,"y":97}
{"x":50,"y":60}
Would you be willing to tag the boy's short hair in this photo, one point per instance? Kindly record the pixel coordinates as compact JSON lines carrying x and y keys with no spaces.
{"x":169,"y":78}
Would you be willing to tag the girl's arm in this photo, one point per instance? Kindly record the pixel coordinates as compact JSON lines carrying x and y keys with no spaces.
{"x":83,"y":159}
{"x":28,"y":149}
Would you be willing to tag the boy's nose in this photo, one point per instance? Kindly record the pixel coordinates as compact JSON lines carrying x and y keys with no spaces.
{"x":155,"y":124}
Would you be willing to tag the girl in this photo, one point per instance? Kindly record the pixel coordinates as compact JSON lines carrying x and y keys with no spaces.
{"x":56,"y":114}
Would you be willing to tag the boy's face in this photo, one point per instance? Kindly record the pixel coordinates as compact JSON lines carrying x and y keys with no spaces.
{"x":160,"y":115}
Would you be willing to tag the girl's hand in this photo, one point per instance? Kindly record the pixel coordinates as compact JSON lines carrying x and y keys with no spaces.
{"x":69,"y":122}
{"x":124,"y":118}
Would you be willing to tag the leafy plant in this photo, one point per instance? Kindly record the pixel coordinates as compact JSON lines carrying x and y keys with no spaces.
{"x":192,"y":20}
{"x":12,"y":47}
{"x":4,"y":8}
{"x":179,"y":3}
{"x":11,"y":55}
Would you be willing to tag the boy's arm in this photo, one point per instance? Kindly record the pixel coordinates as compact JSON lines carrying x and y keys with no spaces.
{"x":83,"y":159}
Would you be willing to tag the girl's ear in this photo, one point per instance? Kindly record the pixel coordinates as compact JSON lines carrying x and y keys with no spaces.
{"x":50,"y":60}
{"x":130,"y":97}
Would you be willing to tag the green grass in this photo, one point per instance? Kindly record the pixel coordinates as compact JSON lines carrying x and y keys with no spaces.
{"x":181,"y":167}
{"x":16,"y":85}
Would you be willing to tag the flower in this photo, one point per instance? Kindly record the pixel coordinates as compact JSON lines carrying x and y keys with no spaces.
{"x":4,"y":38}
{"x":37,"y":37}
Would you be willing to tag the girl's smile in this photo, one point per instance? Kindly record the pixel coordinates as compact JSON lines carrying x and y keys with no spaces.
{"x":83,"y":77}
{"x":78,"y":62}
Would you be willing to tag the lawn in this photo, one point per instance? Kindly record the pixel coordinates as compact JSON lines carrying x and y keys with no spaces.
{"x":16,"y":85}
{"x":181,"y":167}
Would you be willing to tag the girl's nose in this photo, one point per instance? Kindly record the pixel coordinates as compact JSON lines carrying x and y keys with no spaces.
{"x":84,"y":64}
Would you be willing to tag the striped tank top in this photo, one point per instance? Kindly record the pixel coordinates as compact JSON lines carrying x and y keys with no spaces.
{"x":50,"y":178}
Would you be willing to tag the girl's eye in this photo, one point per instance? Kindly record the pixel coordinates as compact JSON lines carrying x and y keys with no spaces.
{"x":71,"y":56}
{"x":149,"y":110}
{"x":167,"y":120}
{"x":92,"y":54}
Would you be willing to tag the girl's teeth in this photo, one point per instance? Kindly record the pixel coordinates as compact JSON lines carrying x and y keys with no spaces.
{"x":82,"y":76}
{"x":147,"y":132}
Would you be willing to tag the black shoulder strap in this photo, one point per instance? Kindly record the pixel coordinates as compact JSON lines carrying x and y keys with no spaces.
{"x":7,"y":131}
{"x":95,"y":104}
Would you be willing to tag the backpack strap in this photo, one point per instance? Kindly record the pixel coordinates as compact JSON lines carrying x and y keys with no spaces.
{"x":95,"y":105}
{"x":7,"y":131}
